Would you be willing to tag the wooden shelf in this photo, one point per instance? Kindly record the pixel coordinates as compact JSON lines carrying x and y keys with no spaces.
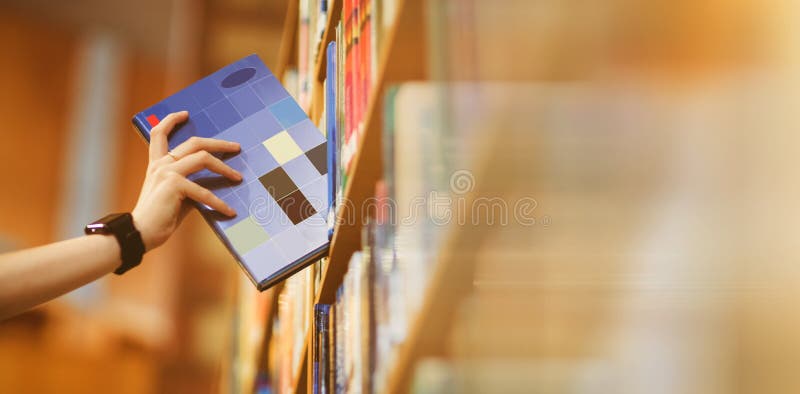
{"x":334,"y":14}
{"x":302,"y":376}
{"x":287,"y":53}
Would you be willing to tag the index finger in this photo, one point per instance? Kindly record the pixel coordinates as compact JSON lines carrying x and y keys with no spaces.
{"x":159,"y":145}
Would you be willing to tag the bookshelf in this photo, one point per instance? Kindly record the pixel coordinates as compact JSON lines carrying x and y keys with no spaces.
{"x":401,"y":57}
{"x":539,"y":304}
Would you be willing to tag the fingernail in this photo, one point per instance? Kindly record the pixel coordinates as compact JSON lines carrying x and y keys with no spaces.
{"x":238,"y":174}
{"x":231,"y":212}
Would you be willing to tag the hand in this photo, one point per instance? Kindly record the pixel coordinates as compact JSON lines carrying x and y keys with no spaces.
{"x":162,"y":202}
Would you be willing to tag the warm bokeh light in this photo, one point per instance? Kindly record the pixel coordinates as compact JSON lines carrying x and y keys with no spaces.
{"x":654,"y":142}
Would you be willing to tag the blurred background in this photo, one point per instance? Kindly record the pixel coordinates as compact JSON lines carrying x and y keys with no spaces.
{"x":72,"y":76}
{"x":658,"y":141}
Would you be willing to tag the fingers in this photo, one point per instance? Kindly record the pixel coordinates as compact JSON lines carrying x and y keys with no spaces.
{"x":204,"y":196}
{"x":159,"y":145}
{"x":196,"y":144}
{"x":203,"y":160}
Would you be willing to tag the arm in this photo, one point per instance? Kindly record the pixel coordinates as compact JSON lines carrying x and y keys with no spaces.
{"x":30,"y":277}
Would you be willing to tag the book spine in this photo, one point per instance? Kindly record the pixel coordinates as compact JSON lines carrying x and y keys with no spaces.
{"x":374,"y":40}
{"x":340,"y":108}
{"x":303,"y":55}
{"x":330,"y":112}
{"x":331,"y":355}
{"x":368,"y":37}
{"x":356,"y":89}
{"x":349,"y":108}
{"x":142,"y":126}
{"x":320,"y":348}
{"x":366,"y":316}
{"x":340,"y":380}
{"x":363,"y":45}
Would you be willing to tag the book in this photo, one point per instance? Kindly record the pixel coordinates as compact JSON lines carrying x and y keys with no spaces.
{"x":320,"y":383}
{"x":350,"y":110}
{"x":340,"y":109}
{"x":303,"y":56}
{"x":282,"y":202}
{"x":331,"y":377}
{"x":340,"y":334}
{"x":330,"y":122}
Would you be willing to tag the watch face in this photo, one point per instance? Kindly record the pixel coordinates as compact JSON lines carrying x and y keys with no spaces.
{"x":95,"y":227}
{"x":103,"y":225}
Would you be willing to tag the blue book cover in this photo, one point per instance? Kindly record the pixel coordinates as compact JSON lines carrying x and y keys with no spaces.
{"x":282,"y":202}
{"x":330,"y":122}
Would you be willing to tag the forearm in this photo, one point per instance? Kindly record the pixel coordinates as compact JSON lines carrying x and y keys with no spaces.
{"x":30,"y":277}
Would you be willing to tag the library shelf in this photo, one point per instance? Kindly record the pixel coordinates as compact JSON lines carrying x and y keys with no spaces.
{"x":402,"y":57}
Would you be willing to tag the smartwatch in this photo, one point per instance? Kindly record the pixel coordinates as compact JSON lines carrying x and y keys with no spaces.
{"x":130,"y":241}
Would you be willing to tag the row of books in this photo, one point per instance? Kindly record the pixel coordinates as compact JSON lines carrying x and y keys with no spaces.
{"x":343,"y":350}
{"x":291,"y":325}
{"x":350,"y":72}
{"x":355,"y":339}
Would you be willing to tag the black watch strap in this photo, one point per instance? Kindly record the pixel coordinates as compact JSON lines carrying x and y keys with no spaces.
{"x":130,"y":241}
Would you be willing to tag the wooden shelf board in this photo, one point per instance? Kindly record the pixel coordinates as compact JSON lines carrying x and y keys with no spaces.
{"x":301,"y":377}
{"x":288,"y":49}
{"x":334,"y":14}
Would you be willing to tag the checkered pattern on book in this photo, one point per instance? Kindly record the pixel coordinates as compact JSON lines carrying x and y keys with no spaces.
{"x":282,"y":202}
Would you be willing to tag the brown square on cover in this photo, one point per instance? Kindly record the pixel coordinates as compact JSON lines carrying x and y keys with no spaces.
{"x":296,"y":207}
{"x":319,"y":158}
{"x":278,"y":183}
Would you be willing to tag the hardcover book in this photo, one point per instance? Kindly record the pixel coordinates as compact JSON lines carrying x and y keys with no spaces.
{"x":282,"y":202}
{"x":330,"y":123}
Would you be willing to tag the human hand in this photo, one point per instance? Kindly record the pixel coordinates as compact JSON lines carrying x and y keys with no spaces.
{"x":162,"y":202}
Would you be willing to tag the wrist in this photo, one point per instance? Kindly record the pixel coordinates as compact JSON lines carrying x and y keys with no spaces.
{"x":107,"y":246}
{"x":122,"y":227}
{"x":144,"y":230}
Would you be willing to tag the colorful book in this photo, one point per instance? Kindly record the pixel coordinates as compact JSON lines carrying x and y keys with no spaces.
{"x":282,"y":203}
{"x":340,"y":109}
{"x":340,"y":336}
